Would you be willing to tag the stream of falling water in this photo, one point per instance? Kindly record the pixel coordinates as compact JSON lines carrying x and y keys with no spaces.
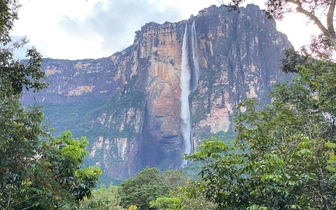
{"x":194,"y":49}
{"x":185,"y":91}
{"x":189,"y":81}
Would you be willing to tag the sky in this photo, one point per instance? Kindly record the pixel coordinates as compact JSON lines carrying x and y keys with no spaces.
{"x":78,"y":29}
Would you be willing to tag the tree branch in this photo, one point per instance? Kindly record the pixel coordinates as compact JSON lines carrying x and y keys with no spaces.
{"x":33,"y":196}
{"x":57,"y":176}
{"x":10,"y":196}
{"x":316,"y":20}
{"x":330,"y":17}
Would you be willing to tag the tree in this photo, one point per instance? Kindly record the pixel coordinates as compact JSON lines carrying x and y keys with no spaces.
{"x":60,"y":167}
{"x":34,"y":175}
{"x":146,"y":186}
{"x":19,"y":139}
{"x":14,"y":75}
{"x":283,"y":156}
{"x":186,"y":196}
{"x":170,"y":190}
{"x":173,"y":179}
{"x":52,"y":179}
{"x":20,"y":128}
{"x":103,"y":199}
{"x":320,"y":12}
{"x":163,"y":203}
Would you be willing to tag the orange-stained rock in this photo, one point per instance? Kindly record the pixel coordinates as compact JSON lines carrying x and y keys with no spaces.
{"x":128,"y":104}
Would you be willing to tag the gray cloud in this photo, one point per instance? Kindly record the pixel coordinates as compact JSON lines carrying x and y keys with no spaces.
{"x":117,"y":20}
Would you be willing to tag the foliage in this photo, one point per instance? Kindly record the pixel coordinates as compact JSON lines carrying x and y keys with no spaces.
{"x":173,"y":179}
{"x":283,"y":155}
{"x":132,"y":207}
{"x":170,"y":190}
{"x":63,"y":158}
{"x":14,"y":75}
{"x":163,"y":203}
{"x":143,"y":188}
{"x":147,"y":186}
{"x":103,"y":198}
{"x":186,"y":197}
{"x":20,"y":130}
{"x":53,"y":178}
{"x":34,"y":175}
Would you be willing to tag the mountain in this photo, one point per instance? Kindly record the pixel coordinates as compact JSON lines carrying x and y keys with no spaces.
{"x":176,"y":85}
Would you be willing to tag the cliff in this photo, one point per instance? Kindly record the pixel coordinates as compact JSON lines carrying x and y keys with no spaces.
{"x":129,"y":104}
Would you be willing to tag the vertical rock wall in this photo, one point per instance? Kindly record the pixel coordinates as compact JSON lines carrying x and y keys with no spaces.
{"x":129,"y":104}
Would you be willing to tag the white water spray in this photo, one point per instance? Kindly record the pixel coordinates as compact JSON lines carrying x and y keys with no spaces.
{"x":189,"y":81}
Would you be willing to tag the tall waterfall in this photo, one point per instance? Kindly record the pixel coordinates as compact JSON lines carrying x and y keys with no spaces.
{"x":189,"y":81}
{"x":185,"y":91}
{"x":194,"y":48}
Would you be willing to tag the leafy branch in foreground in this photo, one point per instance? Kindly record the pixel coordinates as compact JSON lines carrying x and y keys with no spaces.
{"x":283,"y":157}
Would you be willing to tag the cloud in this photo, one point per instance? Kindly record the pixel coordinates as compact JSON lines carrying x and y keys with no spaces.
{"x":94,"y":28}
{"x":79,"y":29}
{"x":115,"y":21}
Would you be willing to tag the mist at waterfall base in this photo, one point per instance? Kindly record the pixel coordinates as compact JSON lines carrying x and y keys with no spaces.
{"x":189,"y":82}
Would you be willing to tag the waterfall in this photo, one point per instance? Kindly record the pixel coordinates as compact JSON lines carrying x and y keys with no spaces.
{"x":189,"y":81}
{"x":194,"y":49}
{"x":185,"y":91}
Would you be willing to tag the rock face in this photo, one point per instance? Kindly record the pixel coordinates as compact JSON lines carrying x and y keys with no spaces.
{"x":129,"y":105}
